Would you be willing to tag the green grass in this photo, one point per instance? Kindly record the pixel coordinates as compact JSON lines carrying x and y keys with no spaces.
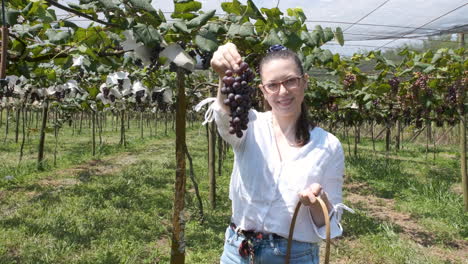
{"x":125,"y":216}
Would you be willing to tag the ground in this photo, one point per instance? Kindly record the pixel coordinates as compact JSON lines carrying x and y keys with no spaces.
{"x":116,"y":207}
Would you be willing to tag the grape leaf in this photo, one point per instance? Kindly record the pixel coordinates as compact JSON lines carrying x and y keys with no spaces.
{"x":147,"y":34}
{"x":201,"y":19}
{"x":339,"y":36}
{"x":271,"y":39}
{"x":206,"y":41}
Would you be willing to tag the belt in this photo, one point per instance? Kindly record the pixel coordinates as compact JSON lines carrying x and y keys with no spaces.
{"x":246,"y":248}
{"x":254,"y":234}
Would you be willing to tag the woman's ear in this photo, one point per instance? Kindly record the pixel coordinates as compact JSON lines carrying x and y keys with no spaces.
{"x":261,"y":89}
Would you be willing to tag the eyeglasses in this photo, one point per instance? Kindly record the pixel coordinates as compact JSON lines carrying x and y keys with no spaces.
{"x":290,"y":84}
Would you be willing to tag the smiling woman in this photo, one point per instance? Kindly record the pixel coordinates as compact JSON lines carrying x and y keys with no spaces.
{"x":281,"y":159}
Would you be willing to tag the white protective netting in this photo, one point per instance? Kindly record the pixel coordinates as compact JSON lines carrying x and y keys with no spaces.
{"x":367,"y":24}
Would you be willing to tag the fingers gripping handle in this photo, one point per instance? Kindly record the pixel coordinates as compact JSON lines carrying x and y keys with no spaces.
{"x":327,"y":226}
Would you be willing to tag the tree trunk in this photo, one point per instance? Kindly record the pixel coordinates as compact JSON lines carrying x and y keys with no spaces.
{"x":347,"y":138}
{"x":55,"y":136}
{"x":220,"y":155}
{"x":356,"y":139}
{"x":23,"y":136}
{"x":212,"y":157}
{"x":141,"y":124}
{"x":388,"y":138}
{"x":40,"y":156}
{"x":212,"y":162}
{"x":372,"y":135}
{"x":17,"y":124}
{"x":122,"y":128}
{"x":93,"y":131}
{"x":165,"y":123}
{"x":100,"y":120}
{"x":81,"y":122}
{"x":7,"y":124}
{"x":463,"y":124}
{"x":195,"y":185}
{"x":398,"y":135}
{"x":178,"y":217}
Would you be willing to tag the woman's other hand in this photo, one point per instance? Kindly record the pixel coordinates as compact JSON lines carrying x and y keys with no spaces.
{"x":225,"y":58}
{"x":308,"y":197}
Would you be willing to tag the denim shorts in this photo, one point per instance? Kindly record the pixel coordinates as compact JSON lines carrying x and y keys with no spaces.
{"x":268,"y":250}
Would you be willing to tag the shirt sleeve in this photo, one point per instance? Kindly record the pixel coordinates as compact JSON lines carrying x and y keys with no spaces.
{"x":333,"y":184}
{"x":222,"y":119}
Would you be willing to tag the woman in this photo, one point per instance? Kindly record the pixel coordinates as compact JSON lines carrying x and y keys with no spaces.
{"x":281,"y":159}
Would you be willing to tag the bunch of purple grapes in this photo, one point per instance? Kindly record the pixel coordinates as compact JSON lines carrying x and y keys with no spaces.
{"x":349,"y":80}
{"x":239,"y":97}
{"x":394,"y":83}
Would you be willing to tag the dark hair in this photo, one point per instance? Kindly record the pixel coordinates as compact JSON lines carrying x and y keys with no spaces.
{"x":304,"y":123}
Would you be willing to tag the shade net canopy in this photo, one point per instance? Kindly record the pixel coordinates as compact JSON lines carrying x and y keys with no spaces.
{"x":366,"y":24}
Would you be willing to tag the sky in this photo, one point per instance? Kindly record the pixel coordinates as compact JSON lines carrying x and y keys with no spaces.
{"x":367,"y":24}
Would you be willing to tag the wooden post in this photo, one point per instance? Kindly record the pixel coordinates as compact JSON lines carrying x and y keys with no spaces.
{"x":211,"y":156}
{"x":40,"y":156}
{"x":178,"y":221}
{"x":461,"y":39}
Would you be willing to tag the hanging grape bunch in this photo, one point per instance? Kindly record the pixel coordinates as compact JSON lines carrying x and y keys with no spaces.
{"x":238,"y":91}
{"x":394,"y":83}
{"x":349,"y":80}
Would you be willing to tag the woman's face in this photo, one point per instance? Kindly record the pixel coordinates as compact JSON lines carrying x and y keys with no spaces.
{"x":286,"y":102}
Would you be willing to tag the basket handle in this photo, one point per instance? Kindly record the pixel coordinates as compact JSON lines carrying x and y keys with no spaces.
{"x":293,"y":224}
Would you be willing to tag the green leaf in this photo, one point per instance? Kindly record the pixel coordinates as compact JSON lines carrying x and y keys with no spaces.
{"x":192,"y":6}
{"x":161,"y":15}
{"x":216,"y":28}
{"x":233,"y":30}
{"x":272,"y":13}
{"x":246,"y":30}
{"x":315,"y":38}
{"x":68,"y":63}
{"x":298,"y":13}
{"x":293,"y":41}
{"x":206,"y":41}
{"x":290,"y":21}
{"x":181,"y":27}
{"x":260,"y":26}
{"x":56,"y":37}
{"x":232,"y":8}
{"x":326,"y":56}
{"x":319,"y":30}
{"x":148,"y":35}
{"x":271,"y":39}
{"x":142,"y":4}
{"x":436,"y":58}
{"x":339,"y":36}
{"x":108,"y":4}
{"x":253,"y":12}
{"x":27,"y":8}
{"x":328,"y":33}
{"x":421,"y":65}
{"x":429,"y":69}
{"x":66,"y":23}
{"x":46,"y":15}
{"x":150,"y":18}
{"x":201,"y":19}
{"x":306,"y":37}
{"x":11,"y":16}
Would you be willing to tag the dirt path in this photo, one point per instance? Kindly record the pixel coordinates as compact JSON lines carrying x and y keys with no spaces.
{"x":456,"y":251}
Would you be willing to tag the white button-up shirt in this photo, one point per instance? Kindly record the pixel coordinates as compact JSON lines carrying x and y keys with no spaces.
{"x":264,"y":190}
